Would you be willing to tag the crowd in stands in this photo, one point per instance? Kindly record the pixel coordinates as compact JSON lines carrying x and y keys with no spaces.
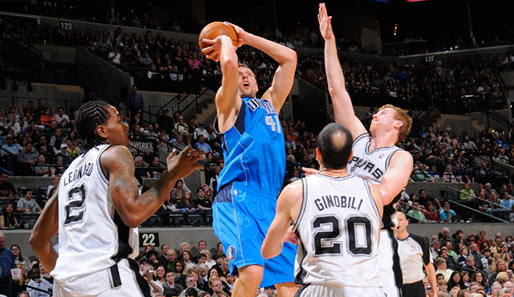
{"x":414,"y":44}
{"x":462,"y":85}
{"x":453,"y":84}
{"x":35,"y":141}
{"x":472,"y":263}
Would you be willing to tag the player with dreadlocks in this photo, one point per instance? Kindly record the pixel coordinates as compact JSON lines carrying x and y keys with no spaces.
{"x":97,"y":206}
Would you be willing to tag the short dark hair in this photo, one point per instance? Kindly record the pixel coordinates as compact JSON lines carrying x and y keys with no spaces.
{"x":335,"y":145}
{"x":191,"y":292}
{"x":89,"y":116}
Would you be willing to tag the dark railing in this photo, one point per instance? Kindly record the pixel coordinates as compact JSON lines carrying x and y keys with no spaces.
{"x":179,"y":219}
{"x":498,"y":119}
{"x":475,"y":212}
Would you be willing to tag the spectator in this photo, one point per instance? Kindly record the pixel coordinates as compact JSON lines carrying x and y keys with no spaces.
{"x":61,"y":118}
{"x":27,"y":204}
{"x":448,"y":175}
{"x":148,"y":273}
{"x":72,"y":151}
{"x":171,"y":259}
{"x":179,"y":142}
{"x":8,"y":219}
{"x":467,"y":193}
{"x":156,"y":170}
{"x":41,"y":168}
{"x":37,"y":282}
{"x":190,"y":285}
{"x":441,"y":267}
{"x":446,"y":214}
{"x":103,"y":46}
{"x":19,"y":259}
{"x":46,"y":150}
{"x":202,"y":145}
{"x":200,"y":130}
{"x":114,"y":56}
{"x":7,"y":190}
{"x":66,"y":160}
{"x":135,"y":101}
{"x":9,"y":152}
{"x":431,"y":214}
{"x":165,"y":121}
{"x":216,"y":287}
{"x":416,"y":213}
{"x":420,"y":173}
{"x":203,"y":203}
{"x":159,"y":275}
{"x":6,"y":264}
{"x":180,"y":126}
{"x":47,"y":117}
{"x":170,"y":287}
{"x":27,"y":158}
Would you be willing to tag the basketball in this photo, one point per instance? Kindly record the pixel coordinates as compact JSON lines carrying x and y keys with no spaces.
{"x":215,"y":29}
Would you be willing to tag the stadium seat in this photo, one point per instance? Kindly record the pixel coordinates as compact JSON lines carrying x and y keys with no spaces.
{"x":176,"y":219}
{"x":195,"y":219}
{"x":27,"y":221}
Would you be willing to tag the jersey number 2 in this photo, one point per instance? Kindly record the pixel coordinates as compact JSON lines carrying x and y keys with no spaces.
{"x":326,"y":243}
{"x":75,"y":209}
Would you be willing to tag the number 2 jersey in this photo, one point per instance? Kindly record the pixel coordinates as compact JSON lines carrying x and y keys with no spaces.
{"x":338,"y":227}
{"x":90,"y":231}
{"x":254,"y":149}
{"x":371,"y":166}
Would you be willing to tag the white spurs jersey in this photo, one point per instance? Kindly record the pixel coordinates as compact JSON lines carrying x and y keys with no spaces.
{"x":90,"y":231}
{"x":370,"y":165}
{"x":338,"y":227}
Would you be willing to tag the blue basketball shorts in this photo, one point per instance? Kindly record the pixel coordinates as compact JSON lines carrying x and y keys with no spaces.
{"x":241,"y":218}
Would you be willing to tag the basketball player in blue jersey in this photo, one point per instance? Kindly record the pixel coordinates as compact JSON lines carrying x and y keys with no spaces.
{"x":254,"y":151}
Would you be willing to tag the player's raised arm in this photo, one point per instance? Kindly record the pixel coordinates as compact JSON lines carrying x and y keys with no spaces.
{"x":288,"y":207}
{"x":343,"y":109}
{"x":228,"y":101}
{"x":132,"y":207}
{"x":396,"y":177}
{"x":44,"y":229}
{"x":284,"y":75}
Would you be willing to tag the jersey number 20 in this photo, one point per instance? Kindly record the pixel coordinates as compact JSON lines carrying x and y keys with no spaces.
{"x":75,"y":209}
{"x":326,"y":243}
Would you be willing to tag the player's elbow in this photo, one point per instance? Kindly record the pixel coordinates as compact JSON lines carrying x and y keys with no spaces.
{"x":131,"y":219}
{"x":268,"y":252}
{"x":35,"y":239}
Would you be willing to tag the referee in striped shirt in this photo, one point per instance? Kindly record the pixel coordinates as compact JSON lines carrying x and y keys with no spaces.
{"x":414,"y":254}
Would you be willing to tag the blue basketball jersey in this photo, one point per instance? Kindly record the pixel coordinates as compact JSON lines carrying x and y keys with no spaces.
{"x":254,"y":149}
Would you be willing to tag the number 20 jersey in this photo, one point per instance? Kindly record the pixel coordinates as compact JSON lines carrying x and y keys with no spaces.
{"x":88,"y":234}
{"x":338,"y":227}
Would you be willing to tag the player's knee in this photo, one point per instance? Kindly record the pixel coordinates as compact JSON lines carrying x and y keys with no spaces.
{"x":251,"y":275}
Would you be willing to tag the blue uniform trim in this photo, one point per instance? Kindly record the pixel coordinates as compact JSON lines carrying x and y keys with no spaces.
{"x":240,"y":120}
{"x":225,"y":194}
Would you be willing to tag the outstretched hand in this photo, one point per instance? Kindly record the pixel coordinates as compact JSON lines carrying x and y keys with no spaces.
{"x":184,"y":163}
{"x":325,"y":22}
